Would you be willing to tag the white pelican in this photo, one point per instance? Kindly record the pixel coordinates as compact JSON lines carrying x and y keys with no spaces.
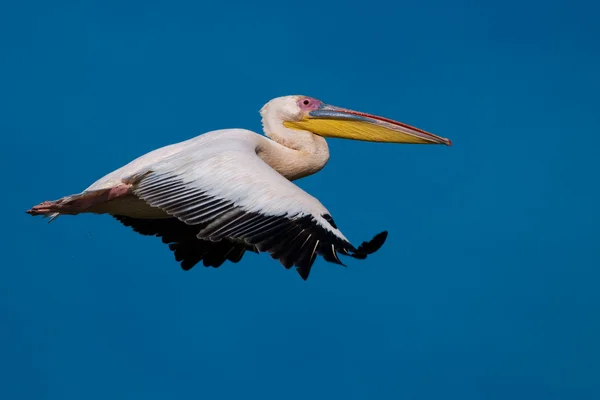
{"x":225,"y":192}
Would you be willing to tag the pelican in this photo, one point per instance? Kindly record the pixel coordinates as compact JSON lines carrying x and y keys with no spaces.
{"x":222,"y":193}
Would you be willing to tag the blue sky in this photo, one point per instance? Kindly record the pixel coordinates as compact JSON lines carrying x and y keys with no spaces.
{"x":486,"y":287}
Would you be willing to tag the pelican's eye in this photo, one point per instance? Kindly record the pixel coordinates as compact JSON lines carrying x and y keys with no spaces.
{"x":308,"y":103}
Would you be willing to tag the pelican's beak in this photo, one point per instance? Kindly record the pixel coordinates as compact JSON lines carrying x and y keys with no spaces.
{"x":330,"y":121}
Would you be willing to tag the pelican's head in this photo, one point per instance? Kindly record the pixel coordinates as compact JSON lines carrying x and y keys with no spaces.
{"x":309,"y":114}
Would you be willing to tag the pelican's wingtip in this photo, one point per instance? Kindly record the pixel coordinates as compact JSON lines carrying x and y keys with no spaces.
{"x":371,"y":246}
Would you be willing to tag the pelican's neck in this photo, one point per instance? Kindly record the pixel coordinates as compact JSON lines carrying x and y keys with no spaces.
{"x":293,"y":153}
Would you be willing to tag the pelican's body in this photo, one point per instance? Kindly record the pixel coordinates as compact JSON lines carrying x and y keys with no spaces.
{"x":211,"y":154}
{"x":225,"y":192}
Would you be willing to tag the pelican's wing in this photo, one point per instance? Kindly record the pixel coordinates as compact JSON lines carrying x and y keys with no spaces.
{"x":182,"y":240}
{"x":232,"y":196}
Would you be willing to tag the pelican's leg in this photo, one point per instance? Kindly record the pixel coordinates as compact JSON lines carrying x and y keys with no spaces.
{"x":78,"y":203}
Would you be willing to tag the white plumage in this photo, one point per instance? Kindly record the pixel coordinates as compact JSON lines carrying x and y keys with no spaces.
{"x":225,"y":192}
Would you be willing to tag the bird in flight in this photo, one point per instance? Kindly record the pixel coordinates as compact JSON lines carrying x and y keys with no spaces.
{"x":216,"y":196}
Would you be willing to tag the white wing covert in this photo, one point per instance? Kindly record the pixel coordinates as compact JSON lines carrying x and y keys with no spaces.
{"x":233,"y":199}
